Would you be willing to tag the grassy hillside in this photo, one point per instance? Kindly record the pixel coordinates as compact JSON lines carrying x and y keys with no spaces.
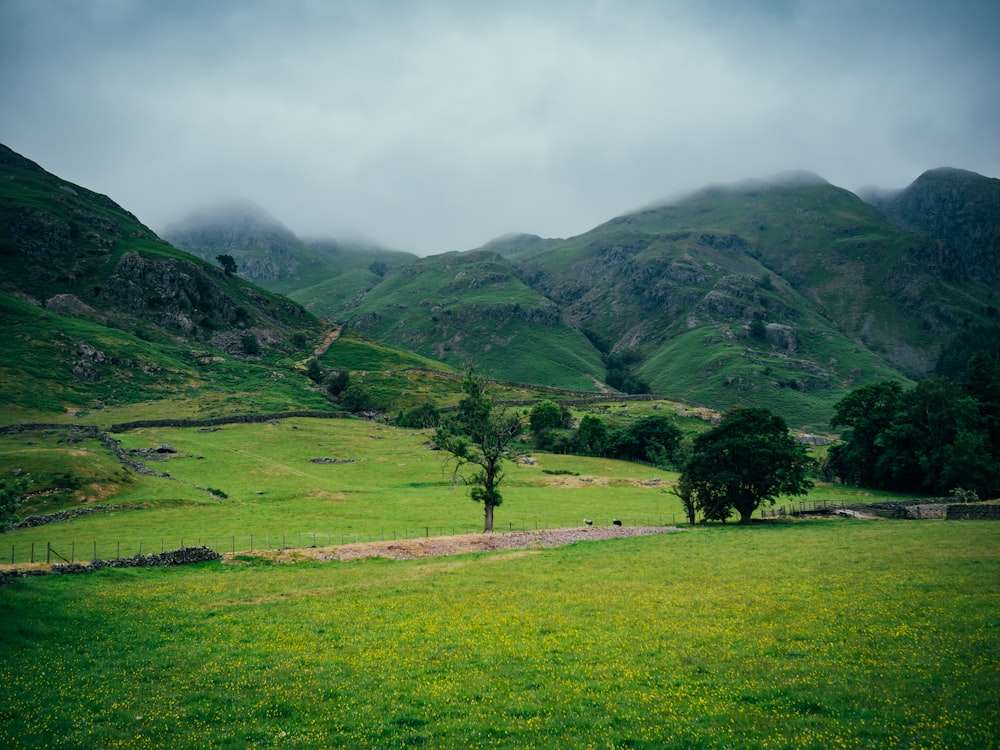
{"x":892,"y":291}
{"x":471,"y":308}
{"x":101,"y":316}
{"x":784,"y":294}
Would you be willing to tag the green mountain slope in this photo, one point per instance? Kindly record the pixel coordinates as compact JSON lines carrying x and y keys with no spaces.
{"x":471,"y":308}
{"x":99,"y":312}
{"x":321,"y":275}
{"x":785,"y":293}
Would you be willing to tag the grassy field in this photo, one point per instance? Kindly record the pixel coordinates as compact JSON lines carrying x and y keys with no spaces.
{"x":821,"y":634}
{"x":263,"y":483}
{"x":255,"y":485}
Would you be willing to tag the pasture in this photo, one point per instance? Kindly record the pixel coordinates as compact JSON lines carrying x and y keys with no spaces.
{"x":818,"y":634}
{"x":256,"y":485}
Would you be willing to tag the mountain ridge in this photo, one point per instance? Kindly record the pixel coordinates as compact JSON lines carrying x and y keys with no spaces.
{"x":783,"y":292}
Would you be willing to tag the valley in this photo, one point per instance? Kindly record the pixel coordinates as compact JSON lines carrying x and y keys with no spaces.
{"x":284,"y":416}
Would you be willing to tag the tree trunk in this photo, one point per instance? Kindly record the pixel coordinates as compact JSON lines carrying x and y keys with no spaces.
{"x":745,"y":514}
{"x":488,"y":525}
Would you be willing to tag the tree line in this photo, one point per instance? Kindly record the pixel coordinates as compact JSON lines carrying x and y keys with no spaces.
{"x":939,"y":436}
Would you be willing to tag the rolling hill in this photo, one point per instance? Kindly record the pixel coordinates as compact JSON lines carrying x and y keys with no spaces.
{"x":100,"y":312}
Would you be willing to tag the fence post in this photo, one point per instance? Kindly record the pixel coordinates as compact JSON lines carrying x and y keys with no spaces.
{"x":251,"y":541}
{"x":95,"y":549}
{"x":32,"y":552}
{"x":72,"y":551}
{"x":48,"y":552}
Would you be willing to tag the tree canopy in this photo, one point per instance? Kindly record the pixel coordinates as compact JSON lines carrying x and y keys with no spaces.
{"x":545,"y":415}
{"x":228,"y":264}
{"x":12,"y":492}
{"x":746,"y":461}
{"x":940,"y":435}
{"x":654,"y":438}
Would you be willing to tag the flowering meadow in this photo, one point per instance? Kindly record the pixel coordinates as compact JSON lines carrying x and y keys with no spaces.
{"x":816,"y":634}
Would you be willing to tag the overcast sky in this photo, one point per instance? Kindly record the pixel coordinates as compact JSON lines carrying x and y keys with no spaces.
{"x":438,"y":125}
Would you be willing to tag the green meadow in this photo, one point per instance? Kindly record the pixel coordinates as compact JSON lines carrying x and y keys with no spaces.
{"x":818,"y":634}
{"x":788,"y":634}
{"x":258,"y":480}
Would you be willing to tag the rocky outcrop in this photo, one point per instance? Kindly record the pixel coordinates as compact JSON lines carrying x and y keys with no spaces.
{"x":173,"y":293}
{"x":781,"y":338}
{"x":959,"y":208}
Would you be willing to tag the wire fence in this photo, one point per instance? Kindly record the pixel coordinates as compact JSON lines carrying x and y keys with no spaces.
{"x":20,"y":552}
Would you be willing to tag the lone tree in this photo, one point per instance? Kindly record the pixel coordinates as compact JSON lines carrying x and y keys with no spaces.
{"x":748,"y":460}
{"x":228,"y":263}
{"x":479,"y":438}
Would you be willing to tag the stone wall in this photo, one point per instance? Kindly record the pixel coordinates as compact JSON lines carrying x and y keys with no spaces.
{"x":181,"y":556}
{"x":973,"y":511}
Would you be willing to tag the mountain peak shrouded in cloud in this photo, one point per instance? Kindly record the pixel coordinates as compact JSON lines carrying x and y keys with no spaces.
{"x":435,"y":125}
{"x":240,"y":219}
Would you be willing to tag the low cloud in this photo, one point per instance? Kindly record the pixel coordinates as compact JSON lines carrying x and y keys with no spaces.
{"x":436,"y":126}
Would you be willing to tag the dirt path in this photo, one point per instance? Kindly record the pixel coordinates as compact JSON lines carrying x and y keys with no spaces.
{"x":439,"y":546}
{"x":332,"y":336}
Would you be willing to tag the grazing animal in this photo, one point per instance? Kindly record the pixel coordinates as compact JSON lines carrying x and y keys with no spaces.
{"x":588,"y":522}
{"x":616,"y":522}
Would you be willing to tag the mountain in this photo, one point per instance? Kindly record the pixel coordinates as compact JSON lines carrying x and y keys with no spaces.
{"x":473,"y":308}
{"x":322,"y":275}
{"x":784,"y":293}
{"x":959,"y":209}
{"x":263,"y":247}
{"x":100,"y":312}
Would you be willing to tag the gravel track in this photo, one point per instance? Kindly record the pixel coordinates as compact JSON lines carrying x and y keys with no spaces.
{"x":439,"y":546}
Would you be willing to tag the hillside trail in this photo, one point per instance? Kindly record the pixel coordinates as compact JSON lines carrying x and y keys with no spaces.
{"x":460,"y":544}
{"x":325,"y":344}
{"x":332,"y":336}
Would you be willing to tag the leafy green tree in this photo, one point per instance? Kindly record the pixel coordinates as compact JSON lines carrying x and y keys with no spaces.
{"x":337,"y":382}
{"x":868,"y":411}
{"x":12,"y":492}
{"x":685,"y":492}
{"x":982,"y":381}
{"x":592,"y":436}
{"x":654,"y":438}
{"x":420,"y":417}
{"x":935,"y":438}
{"x":479,"y":439}
{"x":228,"y":264}
{"x":315,"y":371}
{"x":357,"y":397}
{"x":545,"y":415}
{"x":748,"y":460}
{"x":619,"y":371}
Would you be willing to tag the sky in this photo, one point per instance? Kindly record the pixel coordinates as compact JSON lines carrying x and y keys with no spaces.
{"x":438,"y":125}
